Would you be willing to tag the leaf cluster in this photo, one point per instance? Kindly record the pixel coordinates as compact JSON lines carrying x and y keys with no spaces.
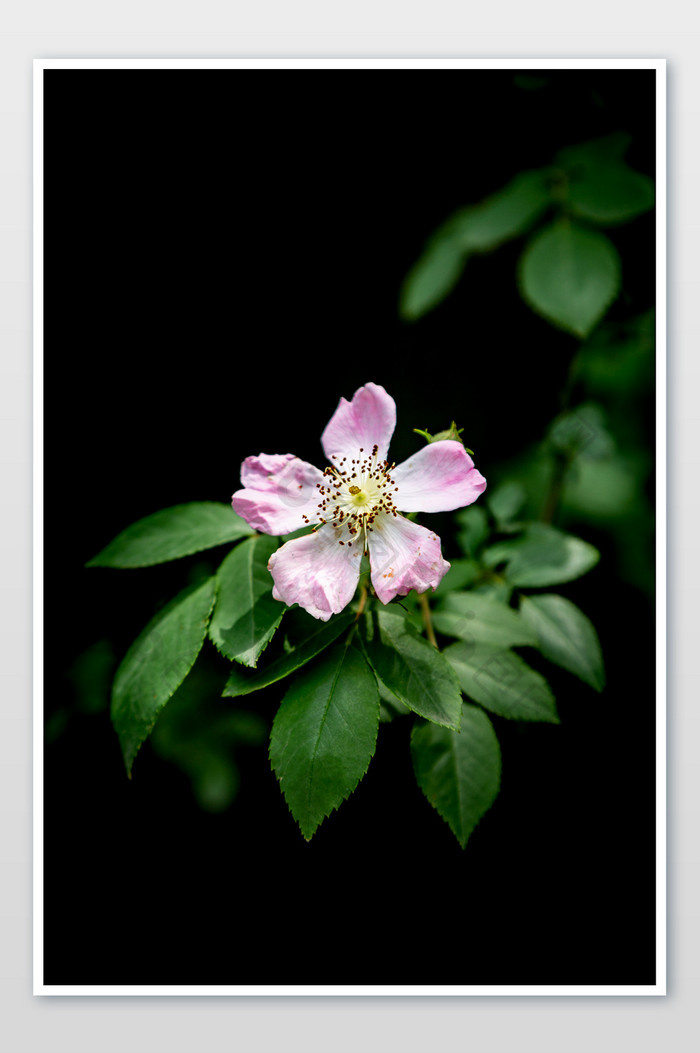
{"x":368,"y":665}
{"x":569,"y":270}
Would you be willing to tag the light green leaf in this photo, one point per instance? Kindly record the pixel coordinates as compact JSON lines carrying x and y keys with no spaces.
{"x":320,"y":636}
{"x":157,"y":663}
{"x":172,"y":533}
{"x":325,"y":734}
{"x":570,"y":275}
{"x":246,"y":616}
{"x":458,"y":773}
{"x":565,"y":636}
{"x":412,"y":668}
{"x":502,"y":682}
{"x":542,"y":556}
{"x":432,"y":277}
{"x":478,"y":618}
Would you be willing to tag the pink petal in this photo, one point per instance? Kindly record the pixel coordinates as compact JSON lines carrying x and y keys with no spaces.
{"x":259,"y":473}
{"x":367,"y":421}
{"x":279,"y":494}
{"x":440,"y":477}
{"x":404,"y":556}
{"x":317,"y":572}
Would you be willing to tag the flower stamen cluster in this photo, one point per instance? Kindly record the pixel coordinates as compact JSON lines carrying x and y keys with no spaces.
{"x":354,"y":495}
{"x":356,"y":506}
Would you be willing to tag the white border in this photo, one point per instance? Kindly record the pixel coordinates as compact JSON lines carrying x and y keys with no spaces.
{"x":39,"y":988}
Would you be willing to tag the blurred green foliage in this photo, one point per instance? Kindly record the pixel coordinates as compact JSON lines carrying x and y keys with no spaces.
{"x":568,"y":271}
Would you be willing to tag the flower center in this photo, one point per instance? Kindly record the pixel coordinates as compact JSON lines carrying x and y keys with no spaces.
{"x":353,"y":495}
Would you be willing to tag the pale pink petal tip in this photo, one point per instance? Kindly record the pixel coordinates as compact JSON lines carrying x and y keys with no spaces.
{"x":438,"y":478}
{"x":317,"y":572}
{"x":404,"y":556}
{"x":367,"y":420}
{"x":280,"y":493}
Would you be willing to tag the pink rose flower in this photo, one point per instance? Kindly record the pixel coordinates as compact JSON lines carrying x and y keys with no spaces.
{"x":355,"y":505}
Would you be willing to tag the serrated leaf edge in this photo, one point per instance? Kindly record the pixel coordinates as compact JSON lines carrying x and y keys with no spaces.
{"x":433,"y":804}
{"x":130,"y":764}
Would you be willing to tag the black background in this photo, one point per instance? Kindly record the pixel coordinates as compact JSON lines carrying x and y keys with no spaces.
{"x":223,"y":254}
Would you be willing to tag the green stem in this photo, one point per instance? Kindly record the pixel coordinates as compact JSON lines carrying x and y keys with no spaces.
{"x":363,"y":601}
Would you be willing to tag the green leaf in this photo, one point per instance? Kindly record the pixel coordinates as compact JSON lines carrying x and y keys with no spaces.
{"x":582,"y":432}
{"x":609,"y":192}
{"x":477,"y":228}
{"x":246,"y":616}
{"x":620,"y":360}
{"x":201,"y":735}
{"x":431,"y":278}
{"x":412,"y":668}
{"x":477,"y":618}
{"x":565,"y":636}
{"x":320,"y":636}
{"x":475,"y":529}
{"x":157,"y":663}
{"x":607,"y":148}
{"x":603,"y":489}
{"x":462,"y":572}
{"x":502,"y":682}
{"x":324,"y":735}
{"x":171,"y":534}
{"x":506,"y":501}
{"x":570,"y":275}
{"x":504,"y":215}
{"x":542,"y":556}
{"x":458,"y":773}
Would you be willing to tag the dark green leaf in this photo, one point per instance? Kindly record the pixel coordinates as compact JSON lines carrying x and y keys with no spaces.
{"x":542,"y":556}
{"x":171,"y":534}
{"x":246,"y":616}
{"x":431,"y":278}
{"x":506,"y":501}
{"x":603,"y":489}
{"x":610,"y":192}
{"x":477,"y":228}
{"x":501,"y":682}
{"x":477,"y":618}
{"x":565,"y":636}
{"x":320,"y":636}
{"x":325,"y":734}
{"x":462,"y":572}
{"x":157,"y":663}
{"x":458,"y":773}
{"x":504,"y":215}
{"x":620,"y":360}
{"x":570,"y":275}
{"x":412,"y":668}
{"x":474,"y":525}
{"x":582,"y":432}
{"x":607,"y":148}
{"x":200,"y":735}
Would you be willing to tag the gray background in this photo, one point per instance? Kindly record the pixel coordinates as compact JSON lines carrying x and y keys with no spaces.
{"x":142,"y":29}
